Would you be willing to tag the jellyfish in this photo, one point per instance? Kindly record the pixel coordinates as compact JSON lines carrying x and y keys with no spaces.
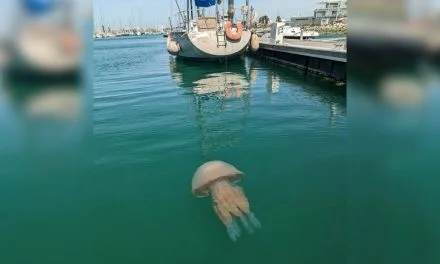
{"x":219,"y":179}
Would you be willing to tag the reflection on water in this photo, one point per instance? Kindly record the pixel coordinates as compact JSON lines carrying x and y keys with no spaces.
{"x":325,"y":91}
{"x":56,"y":102}
{"x":226,"y":84}
{"x":43,"y":100}
{"x":214,"y":90}
{"x":402,"y":91}
{"x":43,"y":120}
{"x":273,"y":83}
{"x":222,"y":94}
{"x":253,"y":75}
{"x":213,"y":80}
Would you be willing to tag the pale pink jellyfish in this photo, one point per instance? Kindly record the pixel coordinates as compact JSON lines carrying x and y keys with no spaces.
{"x":229,"y":200}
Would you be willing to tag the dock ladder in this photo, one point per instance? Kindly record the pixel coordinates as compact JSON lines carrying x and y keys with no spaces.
{"x":221,"y":37}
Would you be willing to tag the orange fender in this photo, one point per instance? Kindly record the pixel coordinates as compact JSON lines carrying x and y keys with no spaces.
{"x":228,"y":30}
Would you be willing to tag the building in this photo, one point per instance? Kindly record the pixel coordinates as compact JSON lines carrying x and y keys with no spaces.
{"x":330,"y":10}
{"x":302,"y":21}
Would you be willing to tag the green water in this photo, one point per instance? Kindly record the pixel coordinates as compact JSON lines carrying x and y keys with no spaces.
{"x":155,"y":120}
{"x":285,"y":130}
{"x":327,"y":187}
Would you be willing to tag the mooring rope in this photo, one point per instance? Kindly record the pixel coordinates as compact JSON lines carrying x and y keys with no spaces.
{"x":226,"y":56}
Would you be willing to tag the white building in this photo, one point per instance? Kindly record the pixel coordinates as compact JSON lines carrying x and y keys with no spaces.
{"x":331,"y":10}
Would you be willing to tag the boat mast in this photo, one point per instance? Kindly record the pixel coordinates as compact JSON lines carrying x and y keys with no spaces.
{"x":192,"y":15}
{"x":180,"y":12}
{"x":217,"y":12}
{"x":231,"y":10}
{"x":247,"y":13}
{"x":187,"y":14}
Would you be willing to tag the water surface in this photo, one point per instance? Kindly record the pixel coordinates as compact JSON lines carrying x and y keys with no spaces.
{"x":157,"y":119}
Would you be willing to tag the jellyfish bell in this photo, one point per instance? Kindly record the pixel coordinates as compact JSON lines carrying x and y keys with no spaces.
{"x":211,"y":172}
{"x":229,"y":201}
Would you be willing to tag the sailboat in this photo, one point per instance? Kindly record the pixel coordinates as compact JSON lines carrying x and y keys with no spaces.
{"x":214,"y":38}
{"x":49,"y":47}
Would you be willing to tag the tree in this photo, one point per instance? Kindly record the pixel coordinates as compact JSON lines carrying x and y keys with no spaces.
{"x":264,"y":20}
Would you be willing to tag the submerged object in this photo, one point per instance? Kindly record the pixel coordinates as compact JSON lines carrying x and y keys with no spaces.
{"x":229,"y":201}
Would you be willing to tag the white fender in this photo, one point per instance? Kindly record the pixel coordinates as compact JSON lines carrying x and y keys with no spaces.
{"x":172,"y":46}
{"x":255,"y":42}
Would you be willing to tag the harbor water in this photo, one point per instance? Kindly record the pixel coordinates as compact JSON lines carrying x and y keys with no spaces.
{"x":327,"y":186}
{"x":127,"y":198}
{"x":100,"y":170}
{"x":156,"y":119}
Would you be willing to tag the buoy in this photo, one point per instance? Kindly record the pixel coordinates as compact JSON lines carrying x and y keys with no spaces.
{"x":172,"y":46}
{"x":233,"y":35}
{"x":255,"y":42}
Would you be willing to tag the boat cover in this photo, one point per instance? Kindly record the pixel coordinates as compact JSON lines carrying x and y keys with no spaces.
{"x":205,"y":3}
{"x":38,"y":6}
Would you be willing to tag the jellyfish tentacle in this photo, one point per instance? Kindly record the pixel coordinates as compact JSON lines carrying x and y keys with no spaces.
{"x":228,"y":193}
{"x":245,"y":207}
{"x":255,"y":222}
{"x":231,"y":233}
{"x":236,"y":227}
{"x":223,"y":213}
{"x":246,"y":224}
{"x":231,"y":203}
{"x":229,"y":199}
{"x":235,"y":210}
{"x":228,"y":220}
{"x":241,"y":200}
{"x":233,"y":230}
{"x":214,"y":206}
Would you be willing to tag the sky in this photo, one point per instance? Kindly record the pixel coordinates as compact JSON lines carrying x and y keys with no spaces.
{"x":155,"y":12}
{"x":152,"y":12}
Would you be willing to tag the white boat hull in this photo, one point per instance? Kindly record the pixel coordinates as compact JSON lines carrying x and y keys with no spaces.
{"x":305,"y":36}
{"x":295,"y":33}
{"x":204,"y":45}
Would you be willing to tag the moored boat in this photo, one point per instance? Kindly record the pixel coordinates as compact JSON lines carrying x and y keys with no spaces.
{"x":211,"y":37}
{"x":291,"y":32}
{"x":44,"y":49}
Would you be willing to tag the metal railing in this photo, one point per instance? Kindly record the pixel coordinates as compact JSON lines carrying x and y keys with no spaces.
{"x":183,"y":21}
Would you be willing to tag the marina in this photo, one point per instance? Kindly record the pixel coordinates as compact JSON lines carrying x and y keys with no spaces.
{"x":218,"y":132}
{"x":155,"y":117}
{"x":205,"y":92}
{"x":172,"y":111}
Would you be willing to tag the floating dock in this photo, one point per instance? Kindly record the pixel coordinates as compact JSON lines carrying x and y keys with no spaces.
{"x":326,"y":57}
